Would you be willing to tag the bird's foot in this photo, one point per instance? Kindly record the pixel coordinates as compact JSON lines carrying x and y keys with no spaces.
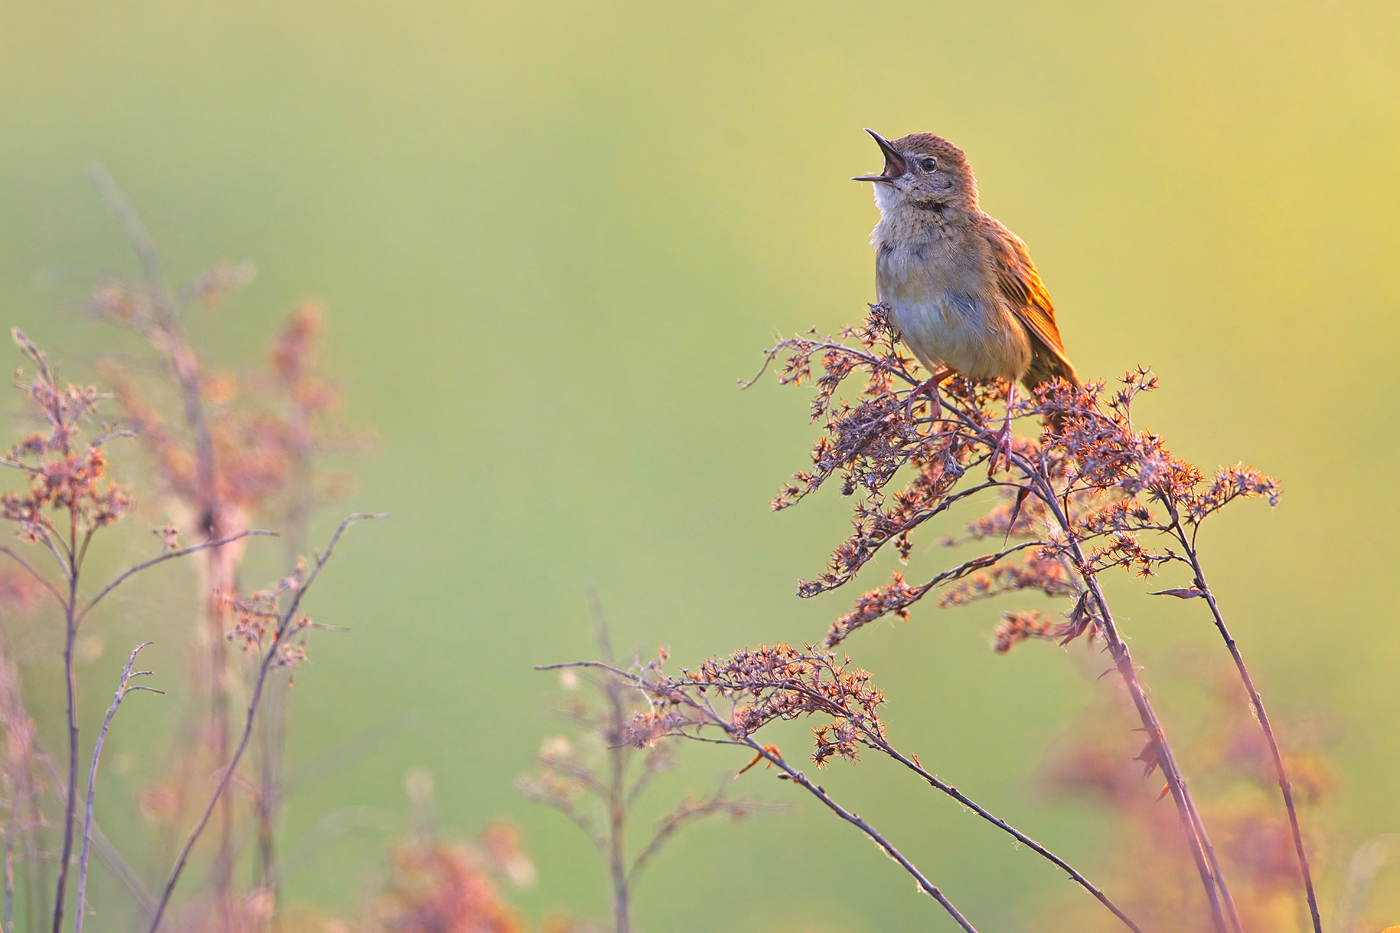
{"x":928,"y":387}
{"x":1001,"y":449}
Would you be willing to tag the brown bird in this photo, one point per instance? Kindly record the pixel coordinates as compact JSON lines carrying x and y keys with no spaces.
{"x":961,"y":288}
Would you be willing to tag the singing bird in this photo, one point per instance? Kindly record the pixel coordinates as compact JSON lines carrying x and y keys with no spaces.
{"x":960,"y":288}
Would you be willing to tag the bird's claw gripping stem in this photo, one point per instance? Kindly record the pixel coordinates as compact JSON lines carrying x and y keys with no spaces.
{"x":1001,"y":450}
{"x":928,"y":387}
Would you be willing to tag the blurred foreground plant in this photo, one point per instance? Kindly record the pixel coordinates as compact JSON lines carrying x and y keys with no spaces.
{"x":215,"y":474}
{"x":67,"y":501}
{"x":234,"y":447}
{"x":599,"y":799}
{"x":1092,"y":493}
{"x":1232,"y":763}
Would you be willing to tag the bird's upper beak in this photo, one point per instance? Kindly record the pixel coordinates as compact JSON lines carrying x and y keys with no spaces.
{"x":894,"y":162}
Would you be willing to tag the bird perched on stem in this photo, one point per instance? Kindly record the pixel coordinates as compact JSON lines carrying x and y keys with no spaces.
{"x":960,"y":288}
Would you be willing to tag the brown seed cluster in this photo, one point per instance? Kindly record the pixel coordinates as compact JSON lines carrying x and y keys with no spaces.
{"x":769,"y":684}
{"x":64,"y":475}
{"x":1018,"y":626}
{"x":258,"y":616}
{"x":438,"y":887}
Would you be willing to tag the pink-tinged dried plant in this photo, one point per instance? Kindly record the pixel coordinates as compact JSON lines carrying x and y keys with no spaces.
{"x":273,"y":630}
{"x":729,"y":701}
{"x":230,"y":452}
{"x":65,"y":501}
{"x":226,"y":448}
{"x":1144,"y":855}
{"x":437,"y":887}
{"x":1093,"y":492}
{"x":1089,"y":493}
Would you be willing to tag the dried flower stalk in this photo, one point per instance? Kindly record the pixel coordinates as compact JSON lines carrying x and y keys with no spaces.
{"x":273,"y":637}
{"x":1091,"y":493}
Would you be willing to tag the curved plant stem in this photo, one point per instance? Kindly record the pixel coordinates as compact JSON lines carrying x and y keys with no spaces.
{"x":1284,"y":786}
{"x":797,"y":777}
{"x":816,"y":790}
{"x":1021,"y":837}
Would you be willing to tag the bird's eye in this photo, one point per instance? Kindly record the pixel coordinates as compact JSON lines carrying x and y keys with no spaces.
{"x":928,"y":163}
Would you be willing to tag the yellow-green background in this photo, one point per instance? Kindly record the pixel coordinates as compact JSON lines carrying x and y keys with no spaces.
{"x":550,"y":236}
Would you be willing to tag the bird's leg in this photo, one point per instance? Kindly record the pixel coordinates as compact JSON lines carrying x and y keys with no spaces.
{"x":928,"y":387}
{"x":1002,"y":449}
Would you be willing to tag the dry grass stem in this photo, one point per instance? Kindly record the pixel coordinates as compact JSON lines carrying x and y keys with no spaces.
{"x":124,"y":687}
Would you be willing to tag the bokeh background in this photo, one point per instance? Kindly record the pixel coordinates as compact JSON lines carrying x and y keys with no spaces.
{"x":549,"y":237}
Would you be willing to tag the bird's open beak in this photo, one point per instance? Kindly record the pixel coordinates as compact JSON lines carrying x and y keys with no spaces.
{"x":894,"y":162}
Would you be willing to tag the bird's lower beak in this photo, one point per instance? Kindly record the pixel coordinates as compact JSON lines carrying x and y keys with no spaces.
{"x":894,"y":162}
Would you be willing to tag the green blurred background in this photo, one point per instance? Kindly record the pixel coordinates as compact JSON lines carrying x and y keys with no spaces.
{"x":550,"y":236}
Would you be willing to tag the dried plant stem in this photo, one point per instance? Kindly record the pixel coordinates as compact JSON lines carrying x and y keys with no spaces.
{"x":168,"y":555}
{"x":39,"y":867}
{"x":105,"y":850}
{"x":617,"y":778}
{"x":123,"y":688}
{"x":1285,"y":787}
{"x":165,"y":333}
{"x":617,"y":804}
{"x":29,"y":568}
{"x":264,"y":667}
{"x":873,"y":736}
{"x":69,"y":555}
{"x":272,"y":730}
{"x":792,"y":774}
{"x":268,"y":799}
{"x":1198,"y":840}
{"x":997,"y":821}
{"x":1196,"y":837}
{"x":70,"y":802}
{"x":816,"y":790}
{"x":8,"y":923}
{"x":222,"y":578}
{"x":182,"y":359}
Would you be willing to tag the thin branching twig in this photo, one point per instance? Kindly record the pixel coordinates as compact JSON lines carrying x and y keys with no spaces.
{"x":265,"y":665}
{"x":734,"y":737}
{"x":168,"y":555}
{"x":123,"y":688}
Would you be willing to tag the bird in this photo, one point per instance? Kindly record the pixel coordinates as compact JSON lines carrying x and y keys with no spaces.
{"x":960,"y":288}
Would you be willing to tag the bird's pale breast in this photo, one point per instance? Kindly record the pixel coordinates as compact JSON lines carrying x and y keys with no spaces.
{"x":944,"y":302}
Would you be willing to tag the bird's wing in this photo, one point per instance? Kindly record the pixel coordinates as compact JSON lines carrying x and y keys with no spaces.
{"x":1021,"y":286}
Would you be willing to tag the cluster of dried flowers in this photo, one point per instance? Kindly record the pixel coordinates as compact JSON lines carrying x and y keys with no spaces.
{"x":223,"y":450}
{"x":1089,"y":493}
{"x":67,"y":479}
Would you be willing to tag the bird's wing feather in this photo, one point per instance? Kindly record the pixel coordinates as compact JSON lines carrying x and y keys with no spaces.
{"x":1020,"y":284}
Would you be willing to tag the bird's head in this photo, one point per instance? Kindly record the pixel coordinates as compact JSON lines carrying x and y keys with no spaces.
{"x":923,"y":171}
